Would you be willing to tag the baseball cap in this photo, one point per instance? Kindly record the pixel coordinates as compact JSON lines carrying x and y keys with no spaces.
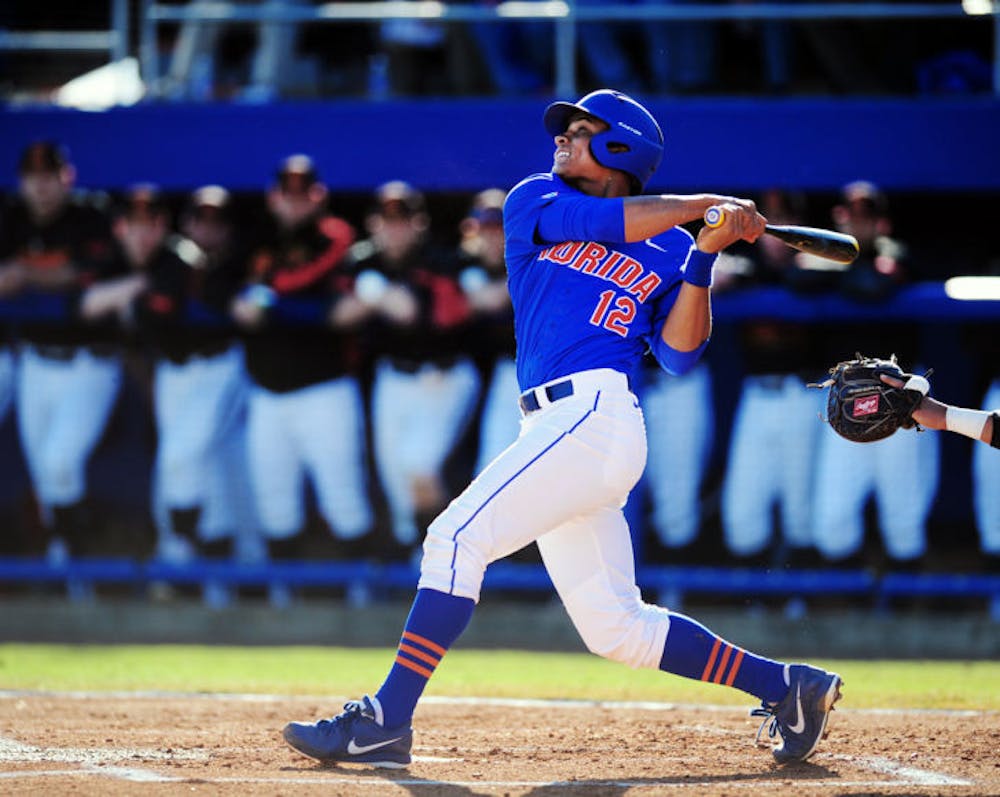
{"x":399,"y":199}
{"x":142,"y":202}
{"x":212,"y":199}
{"x":864,"y":191}
{"x":43,"y":156}
{"x":487,"y":206}
{"x":297,"y":173}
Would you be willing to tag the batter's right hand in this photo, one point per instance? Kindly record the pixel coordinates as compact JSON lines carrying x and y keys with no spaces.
{"x":741,"y":221}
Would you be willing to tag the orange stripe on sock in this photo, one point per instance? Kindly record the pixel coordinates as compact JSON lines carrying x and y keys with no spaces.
{"x":432,"y":646}
{"x":431,"y":660}
{"x":722,"y":664}
{"x":412,"y":665}
{"x":711,"y":660}
{"x":736,"y":667}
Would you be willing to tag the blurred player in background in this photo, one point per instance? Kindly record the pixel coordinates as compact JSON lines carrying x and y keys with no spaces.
{"x":483,"y":278}
{"x":306,"y":413}
{"x":900,"y":472}
{"x":198,"y":379}
{"x":70,"y":372}
{"x":424,"y":386}
{"x":983,"y":426}
{"x":228,"y":516}
{"x":680,"y":417}
{"x":772,"y":448}
{"x":985,"y":478}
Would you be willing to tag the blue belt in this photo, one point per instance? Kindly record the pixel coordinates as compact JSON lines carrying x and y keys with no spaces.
{"x":559,"y":390}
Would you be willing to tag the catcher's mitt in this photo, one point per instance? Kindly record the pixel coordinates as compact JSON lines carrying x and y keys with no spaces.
{"x":862,"y":408}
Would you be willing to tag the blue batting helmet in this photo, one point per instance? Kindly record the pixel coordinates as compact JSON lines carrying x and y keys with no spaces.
{"x":632,"y":144}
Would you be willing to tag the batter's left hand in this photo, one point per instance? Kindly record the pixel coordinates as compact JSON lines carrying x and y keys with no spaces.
{"x":741,"y":221}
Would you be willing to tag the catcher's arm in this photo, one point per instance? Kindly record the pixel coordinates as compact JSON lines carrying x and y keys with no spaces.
{"x":934,"y":414}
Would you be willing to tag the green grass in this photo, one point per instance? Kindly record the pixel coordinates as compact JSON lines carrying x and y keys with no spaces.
{"x":503,"y":673}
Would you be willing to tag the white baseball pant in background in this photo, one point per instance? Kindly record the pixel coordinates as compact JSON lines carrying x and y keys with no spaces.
{"x":986,"y":483}
{"x":417,"y":419}
{"x":902,"y":473}
{"x":63,"y":407}
{"x":315,"y":432}
{"x":198,"y":406}
{"x":772,"y":459}
{"x":679,"y":416}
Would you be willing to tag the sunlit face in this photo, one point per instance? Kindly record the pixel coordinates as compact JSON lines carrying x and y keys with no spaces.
{"x":140,"y":235}
{"x":294,"y":201}
{"x":572,"y":159}
{"x":861,"y":219}
{"x":491,"y":244}
{"x":397,"y":234}
{"x":207,"y":228}
{"x":45,"y":192}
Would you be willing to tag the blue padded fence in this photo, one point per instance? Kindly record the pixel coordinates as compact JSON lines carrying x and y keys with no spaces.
{"x":463,"y":145}
{"x":501,"y":576}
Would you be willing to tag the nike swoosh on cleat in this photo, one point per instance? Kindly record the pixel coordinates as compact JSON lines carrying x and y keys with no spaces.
{"x":355,"y":749}
{"x":800,"y":723}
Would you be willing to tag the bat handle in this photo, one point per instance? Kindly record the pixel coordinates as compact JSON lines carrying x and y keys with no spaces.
{"x":714,"y":217}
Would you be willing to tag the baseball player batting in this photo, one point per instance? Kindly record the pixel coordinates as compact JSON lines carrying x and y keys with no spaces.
{"x":598,"y":275}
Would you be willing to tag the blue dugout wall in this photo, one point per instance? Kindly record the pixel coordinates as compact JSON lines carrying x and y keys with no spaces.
{"x":462,"y":145}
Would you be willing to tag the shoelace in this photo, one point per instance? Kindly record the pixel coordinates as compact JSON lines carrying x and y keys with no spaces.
{"x":770,"y":720}
{"x":353,"y":710}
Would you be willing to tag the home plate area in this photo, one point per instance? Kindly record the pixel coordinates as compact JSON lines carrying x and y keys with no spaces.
{"x":127,"y":743}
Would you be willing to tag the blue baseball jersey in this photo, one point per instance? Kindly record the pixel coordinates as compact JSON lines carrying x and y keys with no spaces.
{"x":583,"y":297}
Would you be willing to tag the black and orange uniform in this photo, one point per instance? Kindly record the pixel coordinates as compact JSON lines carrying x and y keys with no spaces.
{"x":78,"y":238}
{"x":305,"y":263}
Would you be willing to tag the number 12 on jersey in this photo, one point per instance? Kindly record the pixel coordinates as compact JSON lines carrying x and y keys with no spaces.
{"x":617,"y":317}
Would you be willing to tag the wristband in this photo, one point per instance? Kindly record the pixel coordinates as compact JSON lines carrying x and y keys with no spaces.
{"x":995,"y":441}
{"x":966,"y":422}
{"x":698,"y":268}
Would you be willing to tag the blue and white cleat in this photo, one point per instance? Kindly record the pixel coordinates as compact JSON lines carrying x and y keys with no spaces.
{"x":800,"y":718}
{"x":355,"y":737}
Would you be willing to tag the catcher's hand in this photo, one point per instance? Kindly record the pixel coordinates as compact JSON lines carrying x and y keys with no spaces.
{"x":861,"y":407}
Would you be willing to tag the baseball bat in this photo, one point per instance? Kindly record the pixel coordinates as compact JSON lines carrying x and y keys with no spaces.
{"x":836,"y":246}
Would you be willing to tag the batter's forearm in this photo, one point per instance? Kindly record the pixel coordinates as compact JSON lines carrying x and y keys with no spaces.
{"x":689,"y":323}
{"x":646,"y":216}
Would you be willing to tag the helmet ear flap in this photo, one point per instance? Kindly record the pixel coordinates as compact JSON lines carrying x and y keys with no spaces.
{"x":637,"y":157}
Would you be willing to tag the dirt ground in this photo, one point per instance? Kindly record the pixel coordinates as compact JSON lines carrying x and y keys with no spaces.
{"x":231,"y":745}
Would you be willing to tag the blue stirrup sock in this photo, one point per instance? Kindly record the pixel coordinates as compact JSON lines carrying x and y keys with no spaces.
{"x":691,"y":650}
{"x":436,"y":620}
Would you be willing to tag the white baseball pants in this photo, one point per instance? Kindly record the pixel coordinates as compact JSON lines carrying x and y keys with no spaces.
{"x":563,"y":484}
{"x":772,"y":458}
{"x":679,"y":415}
{"x":901,"y":471}
{"x":317,"y":431}
{"x":63,"y":407}
{"x":417,"y":418}
{"x":986,"y":477}
{"x":198,"y":406}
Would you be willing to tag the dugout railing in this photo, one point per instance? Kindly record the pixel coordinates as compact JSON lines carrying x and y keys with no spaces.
{"x":364,"y":581}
